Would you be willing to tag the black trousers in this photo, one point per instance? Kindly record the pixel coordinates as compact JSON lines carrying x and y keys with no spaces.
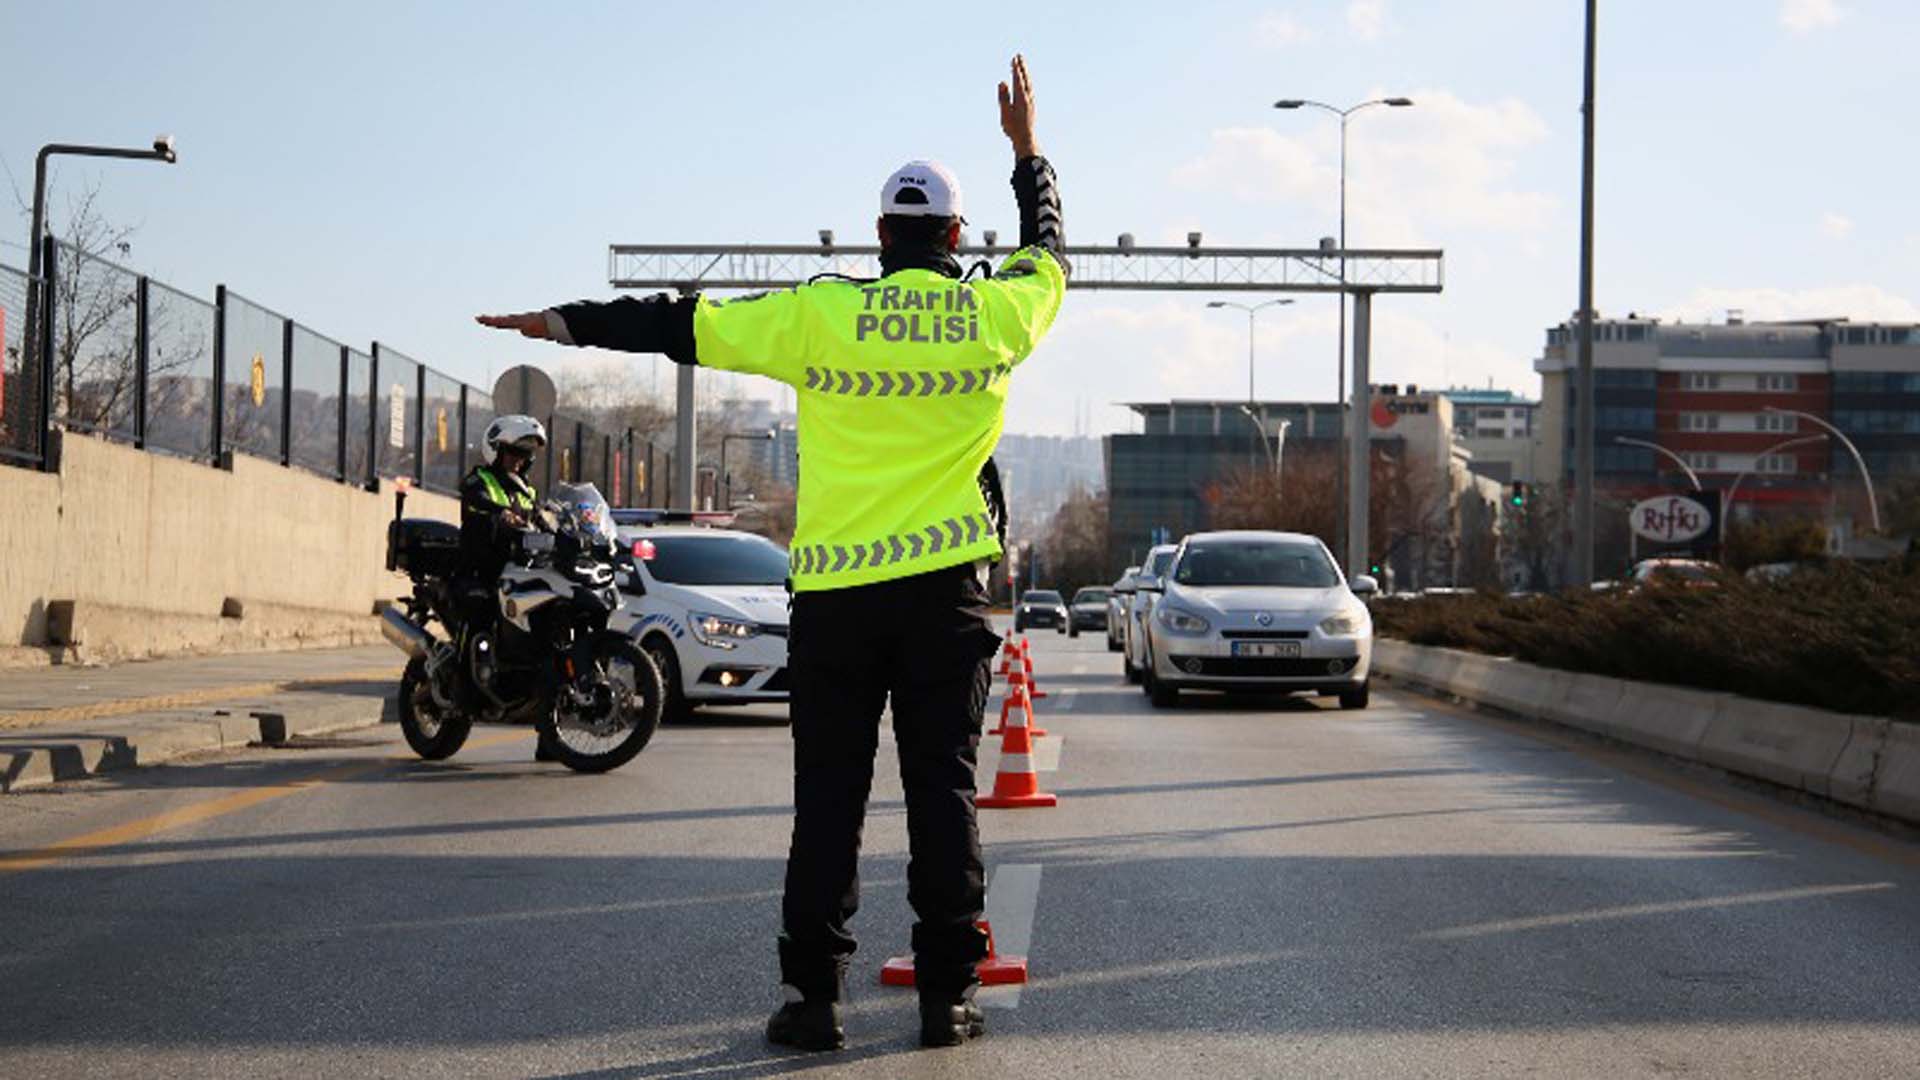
{"x":926,"y":644}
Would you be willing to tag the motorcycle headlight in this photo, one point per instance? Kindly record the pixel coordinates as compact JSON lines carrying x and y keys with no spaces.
{"x":1342,"y":624}
{"x":1180,"y":622}
{"x":720,"y":632}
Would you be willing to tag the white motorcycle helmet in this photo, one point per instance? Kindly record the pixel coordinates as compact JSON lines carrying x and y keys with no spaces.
{"x":523,"y":433}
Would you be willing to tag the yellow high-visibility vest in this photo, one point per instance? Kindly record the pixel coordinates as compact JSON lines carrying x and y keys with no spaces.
{"x":902,"y":391}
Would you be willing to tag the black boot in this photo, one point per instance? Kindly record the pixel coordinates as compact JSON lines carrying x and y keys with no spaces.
{"x":808,"y":1025}
{"x":946,"y":1021}
{"x":544,"y":751}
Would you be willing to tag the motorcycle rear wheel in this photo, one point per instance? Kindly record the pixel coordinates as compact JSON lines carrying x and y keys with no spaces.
{"x":431,"y":730}
{"x":639,"y":698}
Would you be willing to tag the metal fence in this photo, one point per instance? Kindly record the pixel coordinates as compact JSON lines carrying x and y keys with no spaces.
{"x":133,"y":360}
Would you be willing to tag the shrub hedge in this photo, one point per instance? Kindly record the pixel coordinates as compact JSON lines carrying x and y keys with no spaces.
{"x":1844,"y":637}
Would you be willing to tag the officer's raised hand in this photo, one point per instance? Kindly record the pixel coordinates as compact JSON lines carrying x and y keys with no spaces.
{"x":531,"y":324}
{"x":1016,"y":110}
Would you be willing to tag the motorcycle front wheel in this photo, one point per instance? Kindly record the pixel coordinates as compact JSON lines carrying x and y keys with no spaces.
{"x":432,"y":731}
{"x":629,"y":698}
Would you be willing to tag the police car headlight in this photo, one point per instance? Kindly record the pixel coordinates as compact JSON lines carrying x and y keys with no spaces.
{"x":1180,"y":622}
{"x":1343,"y":624}
{"x":720,"y":632}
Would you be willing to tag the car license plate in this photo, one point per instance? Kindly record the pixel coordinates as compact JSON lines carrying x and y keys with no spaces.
{"x":1268,"y":649}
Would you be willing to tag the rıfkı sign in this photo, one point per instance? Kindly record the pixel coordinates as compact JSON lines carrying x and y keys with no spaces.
{"x":1671,"y":519}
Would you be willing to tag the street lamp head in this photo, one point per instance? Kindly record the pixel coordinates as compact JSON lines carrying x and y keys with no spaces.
{"x":163,"y":147}
{"x":1288,"y":103}
{"x":1399,"y":102}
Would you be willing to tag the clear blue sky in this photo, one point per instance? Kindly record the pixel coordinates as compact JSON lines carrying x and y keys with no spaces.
{"x":387,"y":170}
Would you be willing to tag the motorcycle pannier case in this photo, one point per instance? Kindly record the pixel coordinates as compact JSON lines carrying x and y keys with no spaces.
{"x":423,"y":547}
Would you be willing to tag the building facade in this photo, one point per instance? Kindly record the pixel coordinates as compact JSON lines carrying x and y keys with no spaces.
{"x":1741,"y":404}
{"x":1497,"y":428}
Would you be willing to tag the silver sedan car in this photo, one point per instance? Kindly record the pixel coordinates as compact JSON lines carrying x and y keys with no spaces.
{"x":1259,"y":611}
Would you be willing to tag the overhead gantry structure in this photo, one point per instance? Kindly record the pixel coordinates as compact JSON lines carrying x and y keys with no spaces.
{"x":1122,"y":266}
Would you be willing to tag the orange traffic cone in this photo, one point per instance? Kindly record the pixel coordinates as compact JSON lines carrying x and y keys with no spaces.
{"x":1009,"y":655}
{"x":1017,"y":783}
{"x":1026,"y":663}
{"x":995,"y":970}
{"x":1017,"y":691}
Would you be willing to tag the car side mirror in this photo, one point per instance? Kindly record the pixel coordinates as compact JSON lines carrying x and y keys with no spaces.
{"x":1363,"y":586}
{"x":1153,"y":585}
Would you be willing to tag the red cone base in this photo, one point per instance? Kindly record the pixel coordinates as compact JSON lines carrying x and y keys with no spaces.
{"x":995,"y":970}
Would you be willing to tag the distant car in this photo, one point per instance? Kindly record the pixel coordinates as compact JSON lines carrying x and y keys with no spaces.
{"x":1088,"y":610}
{"x":1692,"y":573}
{"x":1259,"y":611}
{"x":1776,"y":571}
{"x":1118,"y":596}
{"x":709,"y":606}
{"x":1146,"y":587}
{"x":1040,"y":607}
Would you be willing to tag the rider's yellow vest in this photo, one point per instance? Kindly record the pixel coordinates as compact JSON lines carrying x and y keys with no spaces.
{"x":902,"y":391}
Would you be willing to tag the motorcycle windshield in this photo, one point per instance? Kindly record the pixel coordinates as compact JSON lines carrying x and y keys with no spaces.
{"x":584,"y":513}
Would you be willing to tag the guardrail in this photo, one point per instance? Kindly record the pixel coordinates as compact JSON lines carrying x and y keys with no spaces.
{"x":137,"y":361}
{"x":1867,"y":762}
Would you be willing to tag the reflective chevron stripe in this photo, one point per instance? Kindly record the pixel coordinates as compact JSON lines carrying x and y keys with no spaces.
{"x":905,"y":383}
{"x":948,"y":535}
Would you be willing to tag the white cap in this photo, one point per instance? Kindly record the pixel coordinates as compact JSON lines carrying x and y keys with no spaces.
{"x":922,"y":189}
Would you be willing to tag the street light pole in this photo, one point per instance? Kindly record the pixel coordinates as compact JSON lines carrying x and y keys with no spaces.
{"x":1251,"y":310}
{"x":1692,"y":477}
{"x":1873,"y":503}
{"x":162,"y":150}
{"x":1733,"y":489}
{"x":1355,"y":417}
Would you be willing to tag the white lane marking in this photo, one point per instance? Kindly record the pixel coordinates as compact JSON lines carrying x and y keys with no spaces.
{"x":1629,"y":911}
{"x":1013,"y":897}
{"x":1069,"y":698}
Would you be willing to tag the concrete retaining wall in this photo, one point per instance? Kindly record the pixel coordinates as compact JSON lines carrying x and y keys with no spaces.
{"x":1867,"y":762}
{"x":142,"y":552}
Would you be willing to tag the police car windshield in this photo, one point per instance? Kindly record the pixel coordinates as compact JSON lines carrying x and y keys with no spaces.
{"x":717,"y":560}
{"x":1273,"y":564}
{"x":1157,"y":566}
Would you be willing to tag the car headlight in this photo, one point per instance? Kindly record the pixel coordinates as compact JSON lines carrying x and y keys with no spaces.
{"x":720,"y":632}
{"x":1343,"y":624}
{"x":1180,"y":622}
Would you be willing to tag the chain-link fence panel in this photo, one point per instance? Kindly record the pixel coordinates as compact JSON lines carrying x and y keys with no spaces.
{"x":95,"y":344}
{"x":317,"y":403}
{"x":19,"y":373}
{"x":440,"y":454}
{"x":397,"y":416}
{"x":179,"y":372}
{"x":360,"y":417}
{"x":255,"y":378}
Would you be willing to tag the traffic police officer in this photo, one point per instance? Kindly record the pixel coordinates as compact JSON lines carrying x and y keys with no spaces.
{"x":902,"y":387}
{"x":496,"y":504}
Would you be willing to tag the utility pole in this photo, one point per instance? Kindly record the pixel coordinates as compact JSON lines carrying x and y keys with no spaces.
{"x":1583,"y":505}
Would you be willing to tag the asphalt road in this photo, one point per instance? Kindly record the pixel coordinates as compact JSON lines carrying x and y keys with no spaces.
{"x":1240,"y":888}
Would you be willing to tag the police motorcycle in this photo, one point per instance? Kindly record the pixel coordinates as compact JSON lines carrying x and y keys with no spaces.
{"x":549,"y":660}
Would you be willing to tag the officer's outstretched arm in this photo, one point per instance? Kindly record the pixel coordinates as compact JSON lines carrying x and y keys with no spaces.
{"x":761,"y":334}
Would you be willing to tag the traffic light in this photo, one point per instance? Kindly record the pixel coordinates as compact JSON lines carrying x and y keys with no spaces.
{"x":1374,"y":569}
{"x":1518,"y":495}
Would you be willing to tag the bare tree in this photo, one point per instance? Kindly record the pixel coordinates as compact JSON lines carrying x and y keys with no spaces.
{"x":1073,"y":549}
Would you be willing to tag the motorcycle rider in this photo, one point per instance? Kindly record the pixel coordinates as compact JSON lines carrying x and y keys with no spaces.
{"x":902,"y":386}
{"x":496,"y":506}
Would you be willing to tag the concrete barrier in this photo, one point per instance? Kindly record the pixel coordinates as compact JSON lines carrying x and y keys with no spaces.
{"x":1671,"y":719}
{"x":1896,"y":781}
{"x":1864,"y":761}
{"x":148,"y":550}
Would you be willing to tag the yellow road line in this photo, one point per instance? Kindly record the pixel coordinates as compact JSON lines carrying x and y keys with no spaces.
{"x":141,"y":828}
{"x":73,"y":714}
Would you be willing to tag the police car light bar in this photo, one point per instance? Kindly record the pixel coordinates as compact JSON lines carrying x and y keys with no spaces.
{"x":637,"y":517}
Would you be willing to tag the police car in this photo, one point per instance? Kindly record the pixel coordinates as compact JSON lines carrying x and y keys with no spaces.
{"x":708,"y":604}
